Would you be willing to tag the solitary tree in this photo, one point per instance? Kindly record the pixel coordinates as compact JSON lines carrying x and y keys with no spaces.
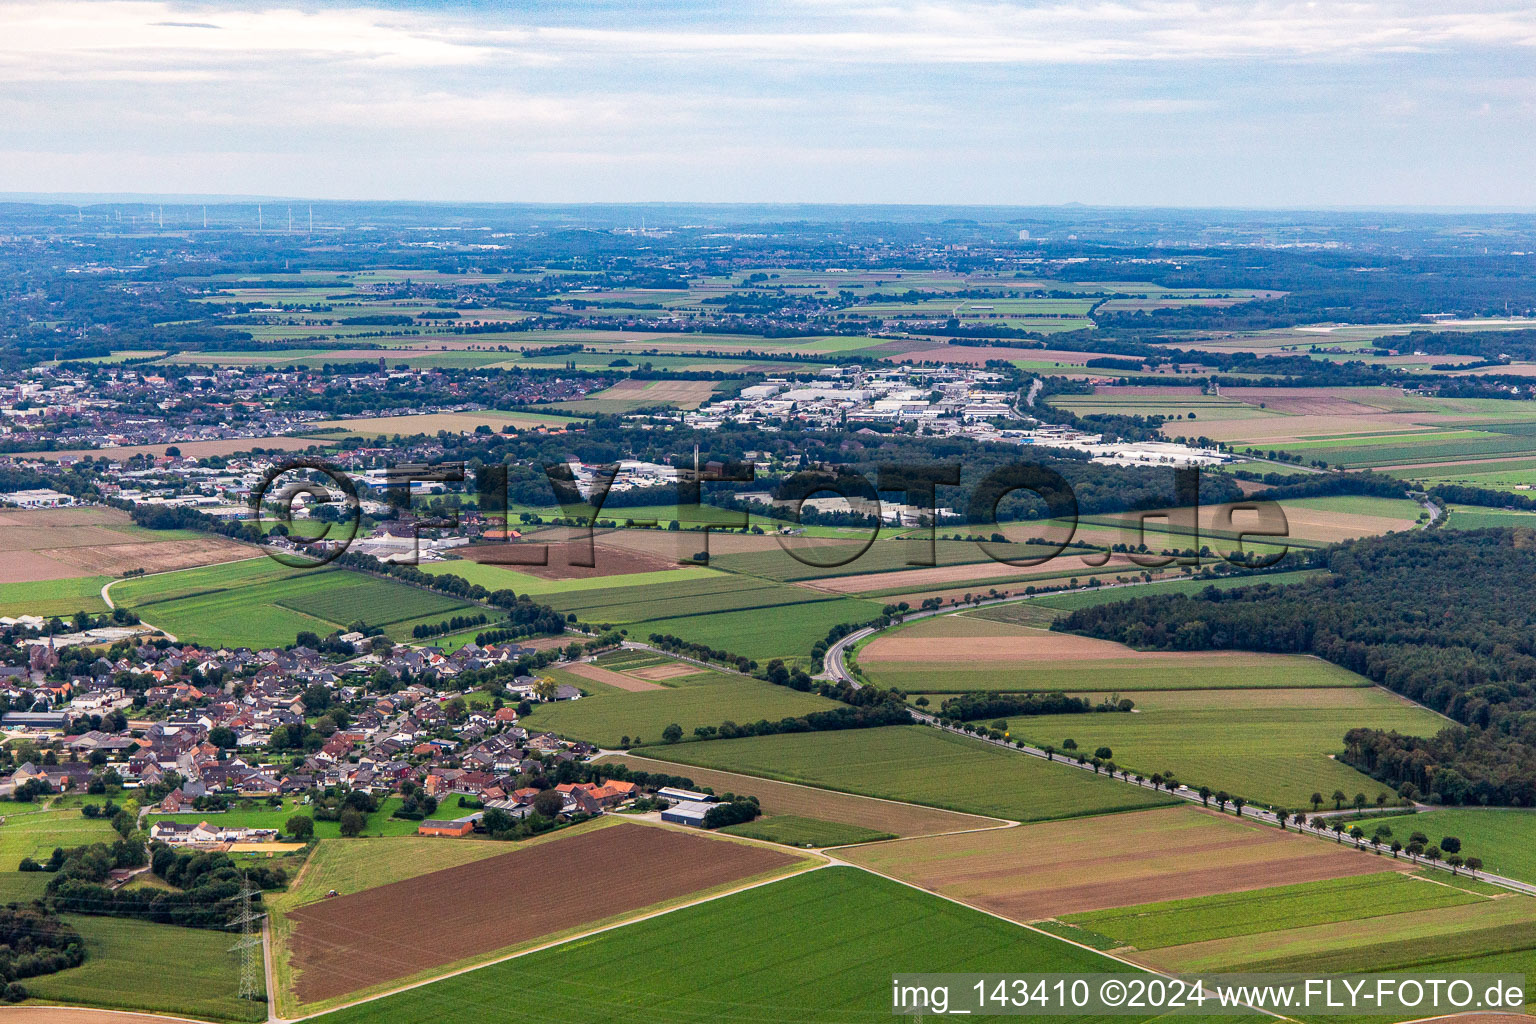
{"x":300,"y":826}
{"x":1450,"y":844}
{"x":1360,"y":801}
{"x":1103,"y":753}
{"x":1069,"y":744}
{"x":1338,"y":799}
{"x":548,"y":803}
{"x":352,"y":822}
{"x":1317,"y":800}
{"x":672,"y":733}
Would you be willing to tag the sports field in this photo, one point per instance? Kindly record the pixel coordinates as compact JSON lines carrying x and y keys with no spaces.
{"x":259,"y":603}
{"x":1269,"y":746}
{"x":1054,"y":868}
{"x":815,"y":948}
{"x":922,"y":765}
{"x":697,"y":698}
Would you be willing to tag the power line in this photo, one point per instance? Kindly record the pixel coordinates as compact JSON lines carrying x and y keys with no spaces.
{"x":249,"y":946}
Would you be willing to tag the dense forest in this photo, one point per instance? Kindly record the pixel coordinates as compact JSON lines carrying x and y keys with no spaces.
{"x":1438,"y":616}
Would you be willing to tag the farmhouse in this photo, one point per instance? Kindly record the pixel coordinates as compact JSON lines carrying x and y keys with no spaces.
{"x":177,"y":833}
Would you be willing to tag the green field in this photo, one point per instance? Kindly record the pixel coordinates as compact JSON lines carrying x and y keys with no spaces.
{"x":256,"y":814}
{"x":259,"y":603}
{"x":715,"y":592}
{"x":921,"y":765}
{"x":29,"y":831}
{"x":793,"y":830}
{"x":1505,"y":839}
{"x":1260,"y":745}
{"x":498,"y":577}
{"x":53,"y":597}
{"x":1088,"y":598}
{"x":1128,"y":673}
{"x":1150,"y":925}
{"x":702,"y":698}
{"x":783,"y":631}
{"x":1473,"y":517}
{"x":159,"y":968}
{"x":817,"y":947}
{"x":352,"y":865}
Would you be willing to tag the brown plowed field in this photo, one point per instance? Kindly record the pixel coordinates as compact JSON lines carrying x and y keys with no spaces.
{"x":617,"y":680}
{"x":393,"y":931}
{"x":1114,"y":860}
{"x":786,"y":798}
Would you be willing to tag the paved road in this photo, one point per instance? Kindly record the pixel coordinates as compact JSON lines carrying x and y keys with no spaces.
{"x":836,"y":668}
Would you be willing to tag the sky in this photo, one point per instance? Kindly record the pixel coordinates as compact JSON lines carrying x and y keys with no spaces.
{"x":1107,"y":102}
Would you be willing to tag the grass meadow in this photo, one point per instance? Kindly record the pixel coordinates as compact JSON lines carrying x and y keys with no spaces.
{"x":259,"y":603}
{"x":922,"y":765}
{"x":1270,"y":747}
{"x":702,"y":698}
{"x":159,"y":968}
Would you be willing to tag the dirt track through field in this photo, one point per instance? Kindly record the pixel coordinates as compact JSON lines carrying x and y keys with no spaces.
{"x":617,"y":680}
{"x":356,"y":941}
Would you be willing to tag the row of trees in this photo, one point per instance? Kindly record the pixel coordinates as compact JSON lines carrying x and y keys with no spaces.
{"x":1427,"y":614}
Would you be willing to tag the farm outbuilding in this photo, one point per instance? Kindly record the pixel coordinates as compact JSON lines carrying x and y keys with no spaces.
{"x":687,"y":812}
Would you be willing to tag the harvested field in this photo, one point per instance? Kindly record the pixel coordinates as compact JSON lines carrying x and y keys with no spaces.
{"x":1318,"y":519}
{"x":33,"y":567}
{"x":665,"y":671}
{"x":68,"y":543}
{"x":189,"y":449}
{"x":949,"y":638}
{"x":681,"y":545}
{"x":611,"y":561}
{"x":80,"y":1015}
{"x":1045,"y":870}
{"x":934,"y":577}
{"x":402,"y":929}
{"x":431,"y":423}
{"x":155,"y":556}
{"x":618,"y":680}
{"x":784,"y":798}
{"x":683,"y":394}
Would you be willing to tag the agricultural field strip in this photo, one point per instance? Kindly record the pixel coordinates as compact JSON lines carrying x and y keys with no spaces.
{"x":331,"y":956}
